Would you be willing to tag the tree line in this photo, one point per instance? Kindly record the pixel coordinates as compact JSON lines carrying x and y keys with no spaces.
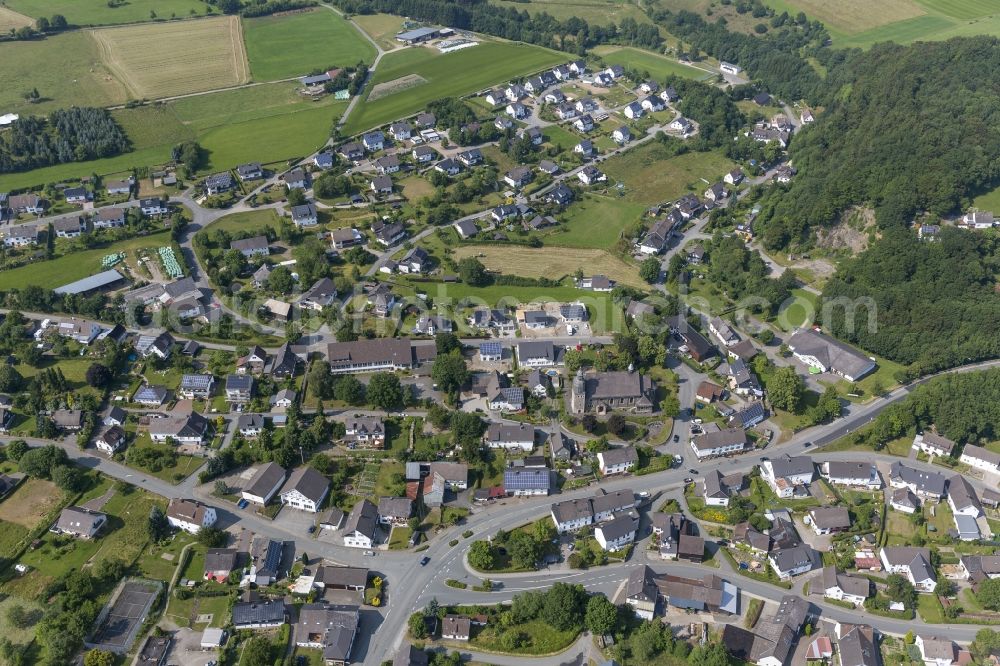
{"x":573,"y":34}
{"x":76,"y":134}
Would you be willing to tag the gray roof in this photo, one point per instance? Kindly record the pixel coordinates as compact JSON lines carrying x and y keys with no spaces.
{"x":345,"y":576}
{"x":103,"y":279}
{"x":640,"y":585}
{"x":857,"y":646}
{"x":220,"y":559}
{"x":332,"y":626}
{"x":830,"y":517}
{"x":831,"y":352}
{"x":363,"y":518}
{"x":616,"y":384}
{"x":408,"y":655}
{"x":239,"y":382}
{"x":510,"y":432}
{"x":264,"y":479}
{"x":395,"y":507}
{"x":569,"y":510}
{"x":527,"y":479}
{"x":618,"y":527}
{"x":792,"y":466}
{"x":725,"y":437}
{"x":258,"y":612}
{"x":962,"y":494}
{"x":246,"y":244}
{"x":150,"y":394}
{"x":536,"y":349}
{"x":77,"y":520}
{"x":930,"y":483}
{"x":308,"y":482}
{"x":617,"y":456}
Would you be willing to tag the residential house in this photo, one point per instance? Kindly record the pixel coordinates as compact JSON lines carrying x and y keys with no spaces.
{"x":590,"y":175}
{"x":388,"y":234}
{"x":423,"y":154}
{"x":219,"y":183}
{"x":980,"y":458}
{"x":682,"y":125}
{"x":323,"y":160}
{"x":109,"y":218}
{"x":466,"y":228}
{"x":250,"y":425}
{"x":471,"y":157}
{"x":257,"y":246}
{"x":585,"y":148}
{"x":382,"y":185}
{"x":150,"y":396}
{"x":621,"y":135}
{"x":394,"y":510}
{"x":538,"y":354}
{"x":219,"y":563}
{"x":370,"y":355}
{"x":717,"y":489}
{"x":519,"y":176}
{"x":527,"y":482}
{"x":617,"y":533}
{"x":621,"y":460}
{"x":793,"y":561}
{"x":305,"y":490}
{"x":257,"y":614}
{"x":634,"y":111}
{"x":829,"y":519}
{"x":933,"y":444}
{"x":912,"y":562}
{"x":852,"y":474}
{"x":926,"y":485}
{"x":108,"y":442}
{"x":725,"y":442}
{"x":361,"y":526}
{"x":510,"y":436}
{"x":401,"y":131}
{"x":903,"y":499}
{"x":373,"y":141}
{"x":415,"y":261}
{"x":329,"y":629}
{"x":584,"y":123}
{"x":239,"y":388}
{"x":69,"y":227}
{"x":652,"y":104}
{"x":456,"y":628}
{"x":68,"y":419}
{"x":154,"y":206}
{"x":789,"y":476}
{"x":936,"y":651}
{"x":641,"y":593}
{"x":844,"y":587}
{"x":252,"y":171}
{"x":189,"y":515}
{"x":76,"y":195}
{"x":80,"y":522}
{"x":305,"y":215}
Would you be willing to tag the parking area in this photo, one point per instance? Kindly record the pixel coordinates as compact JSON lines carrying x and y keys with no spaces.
{"x":297,"y":522}
{"x":185,"y":650}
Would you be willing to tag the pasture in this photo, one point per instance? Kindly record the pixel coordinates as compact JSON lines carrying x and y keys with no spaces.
{"x":281,"y":47}
{"x":381,"y":27}
{"x":32,"y":501}
{"x":852,"y":16}
{"x":11,"y":20}
{"x":166,"y":59}
{"x":652,"y":175}
{"x":66,"y":69}
{"x":447,"y":75}
{"x":551,"y":262}
{"x":101,"y":12}
{"x":659,"y":67}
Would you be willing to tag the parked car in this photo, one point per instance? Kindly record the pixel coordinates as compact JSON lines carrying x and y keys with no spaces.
{"x":424,"y":560}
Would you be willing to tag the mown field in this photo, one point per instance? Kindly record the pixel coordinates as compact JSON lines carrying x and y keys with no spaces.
{"x":290,"y":45}
{"x":446,"y":75}
{"x":66,"y":69}
{"x":100,"y":12}
{"x":552,"y":262}
{"x":651,"y":175}
{"x":596,"y":221}
{"x":11,"y":20}
{"x":659,"y":67}
{"x":381,"y":27}
{"x":595,"y":12}
{"x":851,"y":16}
{"x":156,"y":60}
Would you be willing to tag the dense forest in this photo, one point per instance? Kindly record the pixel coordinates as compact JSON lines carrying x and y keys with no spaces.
{"x":775,"y":60}
{"x":936,"y":303}
{"x":573,"y":34}
{"x":68,"y":135}
{"x":910,"y":128}
{"x":962,"y":407}
{"x":716,"y":113}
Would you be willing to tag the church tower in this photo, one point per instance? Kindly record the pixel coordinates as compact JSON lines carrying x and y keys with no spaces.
{"x":578,"y":398}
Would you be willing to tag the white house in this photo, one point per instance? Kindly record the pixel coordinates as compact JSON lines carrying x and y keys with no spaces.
{"x":189,"y":515}
{"x":616,"y":533}
{"x":617,"y":461}
{"x":510,"y":436}
{"x":305,"y":490}
{"x":936,"y":651}
{"x":785,"y":475}
{"x":980,"y":458}
{"x":852,"y":474}
{"x":264,"y":484}
{"x":361,"y":526}
{"x":912,"y":562}
{"x":853,"y":589}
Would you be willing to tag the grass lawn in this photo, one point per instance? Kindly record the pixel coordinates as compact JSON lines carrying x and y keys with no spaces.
{"x":659,"y":67}
{"x":595,"y":221}
{"x":652,"y":174}
{"x":542,"y":638}
{"x":160,"y":560}
{"x":930,"y":608}
{"x":381,"y":27}
{"x":251,"y":219}
{"x":988,"y":201}
{"x":445,"y":75}
{"x":559,"y":136}
{"x":400,"y":538}
{"x":76,"y":265}
{"x":799,"y":312}
{"x":276,"y":44}
{"x":99,"y":12}
{"x":312,"y":656}
{"x":19,"y":635}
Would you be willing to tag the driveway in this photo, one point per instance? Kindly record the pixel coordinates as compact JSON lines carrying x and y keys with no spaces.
{"x":295,"y":521}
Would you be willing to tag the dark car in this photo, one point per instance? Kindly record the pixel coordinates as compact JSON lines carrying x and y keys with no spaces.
{"x":688,"y":480}
{"x":677,"y":438}
{"x":763,"y":458}
{"x":424,"y":560}
{"x":807,"y":444}
{"x":312,"y":528}
{"x":693,"y":470}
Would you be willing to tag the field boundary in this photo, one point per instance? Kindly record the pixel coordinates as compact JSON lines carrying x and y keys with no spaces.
{"x":380,"y":90}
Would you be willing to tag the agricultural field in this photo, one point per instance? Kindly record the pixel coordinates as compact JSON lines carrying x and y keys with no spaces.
{"x":11,"y":20}
{"x":859,"y":23}
{"x":659,"y":67}
{"x":446,"y":75}
{"x":595,"y":12}
{"x":381,"y":27}
{"x":596,"y":221}
{"x":66,"y":69}
{"x":551,"y":262}
{"x":651,"y":175}
{"x":101,"y":12}
{"x":166,"y":59}
{"x":281,"y":47}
